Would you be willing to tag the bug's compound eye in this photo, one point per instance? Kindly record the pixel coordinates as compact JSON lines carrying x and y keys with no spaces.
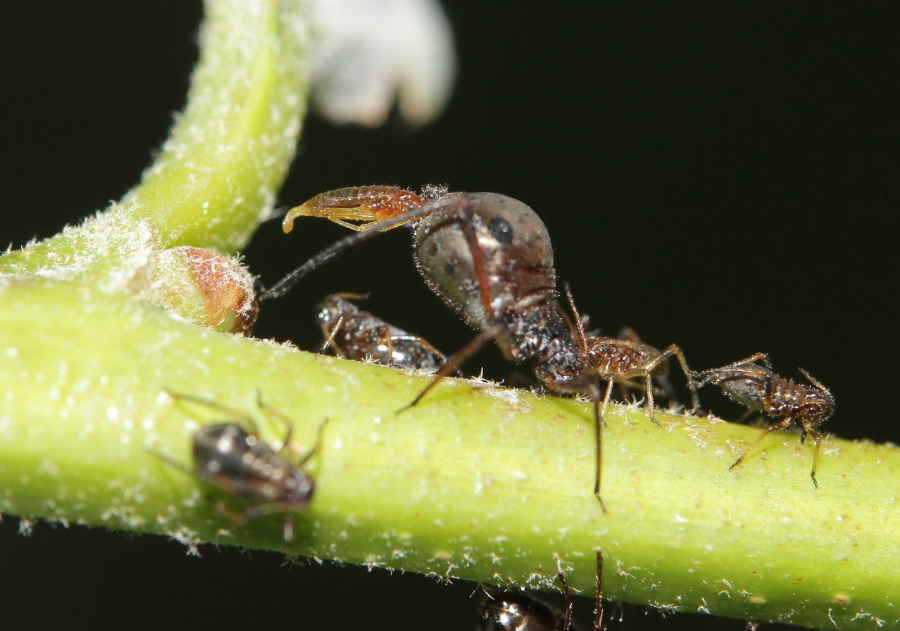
{"x":501,"y":230}
{"x":325,"y":316}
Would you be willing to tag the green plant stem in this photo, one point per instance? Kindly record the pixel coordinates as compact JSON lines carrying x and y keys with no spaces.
{"x":218,"y":173}
{"x":476,"y":482}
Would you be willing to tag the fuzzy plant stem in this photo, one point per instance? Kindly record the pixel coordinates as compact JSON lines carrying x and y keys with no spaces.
{"x":217,"y":175}
{"x":476,"y":482}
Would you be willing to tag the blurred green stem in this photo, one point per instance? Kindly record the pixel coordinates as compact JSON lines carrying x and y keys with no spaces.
{"x":476,"y":482}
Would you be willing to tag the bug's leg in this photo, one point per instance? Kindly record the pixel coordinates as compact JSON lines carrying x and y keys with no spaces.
{"x":239,"y":519}
{"x":172,"y":462}
{"x":599,"y":422}
{"x":769,"y":389}
{"x":288,"y":526}
{"x":606,"y":397}
{"x":815,"y":382}
{"x":423,"y":343}
{"x":318,"y":444}
{"x":650,"y":403}
{"x":382,"y":335}
{"x":349,"y":295}
{"x":568,"y":619}
{"x":233,"y":414}
{"x":598,"y":605}
{"x":771,"y":428}
{"x":468,"y":227}
{"x":352,"y":226}
{"x":756,"y":357}
{"x":259,"y":510}
{"x":625,"y":387}
{"x":285,"y":443}
{"x":281,"y":416}
{"x":808,"y":428}
{"x":704,"y":377}
{"x":457,"y":359}
{"x":689,"y":374}
{"x":577,"y":327}
{"x":329,"y":340}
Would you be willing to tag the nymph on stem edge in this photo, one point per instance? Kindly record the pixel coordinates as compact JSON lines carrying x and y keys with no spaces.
{"x":229,"y":457}
{"x":752,"y":383}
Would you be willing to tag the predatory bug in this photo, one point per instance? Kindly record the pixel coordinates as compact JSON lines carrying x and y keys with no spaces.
{"x":489,"y":258}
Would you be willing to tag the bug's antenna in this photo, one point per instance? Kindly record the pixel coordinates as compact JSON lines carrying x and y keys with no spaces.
{"x":285,"y":284}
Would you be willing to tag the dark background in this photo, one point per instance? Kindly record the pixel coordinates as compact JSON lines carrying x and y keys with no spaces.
{"x":724,"y":178}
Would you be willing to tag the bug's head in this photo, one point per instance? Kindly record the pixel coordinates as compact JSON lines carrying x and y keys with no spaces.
{"x":820,"y":405}
{"x":297,"y":491}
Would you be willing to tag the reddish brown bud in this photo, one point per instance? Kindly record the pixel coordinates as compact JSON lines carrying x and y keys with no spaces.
{"x":206,"y":288}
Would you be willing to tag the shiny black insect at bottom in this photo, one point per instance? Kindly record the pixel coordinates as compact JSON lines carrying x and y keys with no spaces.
{"x":356,"y":334}
{"x":519,"y":611}
{"x":239,"y":462}
{"x":752,"y":383}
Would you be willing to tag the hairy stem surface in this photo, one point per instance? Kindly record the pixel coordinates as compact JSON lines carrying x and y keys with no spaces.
{"x":476,"y":482}
{"x":218,"y":173}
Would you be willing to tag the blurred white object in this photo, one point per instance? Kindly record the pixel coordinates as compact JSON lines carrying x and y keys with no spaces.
{"x":366,"y":53}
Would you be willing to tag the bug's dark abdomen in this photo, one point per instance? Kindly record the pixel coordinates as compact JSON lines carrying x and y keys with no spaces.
{"x":234,"y":460}
{"x":520,"y":261}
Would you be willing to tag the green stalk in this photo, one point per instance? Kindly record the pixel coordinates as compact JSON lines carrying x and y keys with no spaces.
{"x":218,"y":173}
{"x":476,"y":482}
